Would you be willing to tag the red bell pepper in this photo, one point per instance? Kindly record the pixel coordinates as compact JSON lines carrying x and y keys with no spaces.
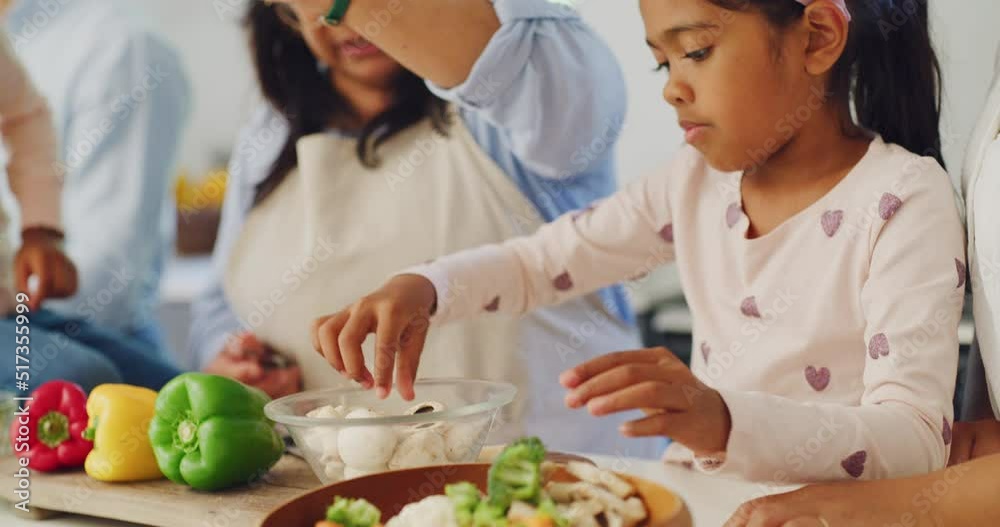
{"x":57,"y":419}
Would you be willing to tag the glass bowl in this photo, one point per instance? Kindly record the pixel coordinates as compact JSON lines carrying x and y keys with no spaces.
{"x":345,"y":433}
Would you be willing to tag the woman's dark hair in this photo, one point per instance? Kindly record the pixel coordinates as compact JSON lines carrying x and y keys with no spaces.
{"x":889,"y":68}
{"x":292,"y":81}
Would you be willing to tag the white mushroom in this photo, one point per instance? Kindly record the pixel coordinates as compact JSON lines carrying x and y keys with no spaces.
{"x":427,"y":407}
{"x":462,"y":438}
{"x":323,"y":440}
{"x":420,"y":449}
{"x":366,"y":447}
{"x":328,"y":411}
{"x":609,"y":480}
{"x":334,"y":470}
{"x":351,"y":472}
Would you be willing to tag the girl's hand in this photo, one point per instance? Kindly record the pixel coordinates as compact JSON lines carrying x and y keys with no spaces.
{"x":399,"y":315}
{"x":41,"y":256}
{"x":246,"y":359}
{"x":677,"y":404}
{"x":974,"y":440}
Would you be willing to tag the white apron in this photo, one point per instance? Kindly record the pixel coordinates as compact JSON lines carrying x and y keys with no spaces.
{"x":335,"y":230}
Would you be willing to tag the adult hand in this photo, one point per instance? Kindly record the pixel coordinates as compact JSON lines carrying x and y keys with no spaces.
{"x":248,"y":360}
{"x":399,"y":315}
{"x":913,"y":502}
{"x":974,"y":440}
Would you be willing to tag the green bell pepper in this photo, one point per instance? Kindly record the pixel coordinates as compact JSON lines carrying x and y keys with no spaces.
{"x":210,"y":432}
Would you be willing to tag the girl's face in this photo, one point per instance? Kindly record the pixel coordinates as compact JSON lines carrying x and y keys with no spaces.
{"x":348,"y":55}
{"x":738,"y":86}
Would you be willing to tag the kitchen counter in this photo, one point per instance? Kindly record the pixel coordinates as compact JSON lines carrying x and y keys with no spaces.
{"x":711,"y":500}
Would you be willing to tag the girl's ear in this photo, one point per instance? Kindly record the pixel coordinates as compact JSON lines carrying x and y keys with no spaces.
{"x":828,"y":33}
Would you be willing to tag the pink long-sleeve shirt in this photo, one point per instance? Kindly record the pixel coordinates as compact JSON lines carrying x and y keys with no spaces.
{"x":833,"y":338}
{"x":30,"y":140}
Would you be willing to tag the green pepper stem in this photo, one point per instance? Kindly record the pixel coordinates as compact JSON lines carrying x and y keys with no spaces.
{"x":187,"y":432}
{"x":53,"y":429}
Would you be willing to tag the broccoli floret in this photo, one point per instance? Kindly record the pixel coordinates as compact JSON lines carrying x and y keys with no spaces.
{"x":353,"y":513}
{"x":547,"y":507}
{"x":488,"y":515}
{"x":465,"y":497}
{"x":517,"y":474}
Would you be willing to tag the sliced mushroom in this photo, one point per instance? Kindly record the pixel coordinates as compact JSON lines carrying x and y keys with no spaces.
{"x":581,"y":513}
{"x":426,"y":407}
{"x":563,"y":492}
{"x":628,"y":511}
{"x":603,"y":478}
{"x":521,"y":511}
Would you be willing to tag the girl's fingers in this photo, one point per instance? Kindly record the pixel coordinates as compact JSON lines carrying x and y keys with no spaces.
{"x":389,"y":329}
{"x":612,"y":380}
{"x":316,"y":325}
{"x":328,"y":335}
{"x":654,"y":425}
{"x":356,"y":330}
{"x":661,"y":395}
{"x":580,"y":374}
{"x":411,"y":347}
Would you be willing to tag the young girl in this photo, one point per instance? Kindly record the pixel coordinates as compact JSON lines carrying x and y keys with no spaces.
{"x":822,"y":258}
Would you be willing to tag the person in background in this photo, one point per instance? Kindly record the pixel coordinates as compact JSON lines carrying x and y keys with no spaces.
{"x":384,"y":144}
{"x":966,"y":493}
{"x":119,"y":100}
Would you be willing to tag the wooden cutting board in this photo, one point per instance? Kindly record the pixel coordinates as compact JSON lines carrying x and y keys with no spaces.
{"x":163,"y":503}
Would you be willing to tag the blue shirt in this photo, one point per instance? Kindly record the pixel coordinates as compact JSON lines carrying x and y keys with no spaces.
{"x":545,"y":100}
{"x":120,"y":98}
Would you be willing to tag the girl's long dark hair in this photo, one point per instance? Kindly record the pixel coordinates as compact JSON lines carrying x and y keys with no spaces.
{"x":889,"y":69}
{"x":296,"y":86}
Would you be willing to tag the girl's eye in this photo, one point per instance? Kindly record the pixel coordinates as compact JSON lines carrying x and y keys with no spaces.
{"x":664,"y":66}
{"x":699,"y":55}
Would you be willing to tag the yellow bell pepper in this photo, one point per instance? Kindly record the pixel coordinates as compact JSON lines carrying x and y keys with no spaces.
{"x":119,"y":423}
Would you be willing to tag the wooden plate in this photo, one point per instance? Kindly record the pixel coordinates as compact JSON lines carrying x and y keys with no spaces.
{"x":391,"y":491}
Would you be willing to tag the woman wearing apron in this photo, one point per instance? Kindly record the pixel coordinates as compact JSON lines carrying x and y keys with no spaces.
{"x":356,"y":167}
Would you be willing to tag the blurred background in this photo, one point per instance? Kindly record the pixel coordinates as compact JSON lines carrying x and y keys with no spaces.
{"x":213,"y":50}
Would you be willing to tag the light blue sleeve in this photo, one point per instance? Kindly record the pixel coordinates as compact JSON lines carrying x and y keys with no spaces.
{"x":258,"y":145}
{"x":550,"y":84}
{"x":121,"y":135}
